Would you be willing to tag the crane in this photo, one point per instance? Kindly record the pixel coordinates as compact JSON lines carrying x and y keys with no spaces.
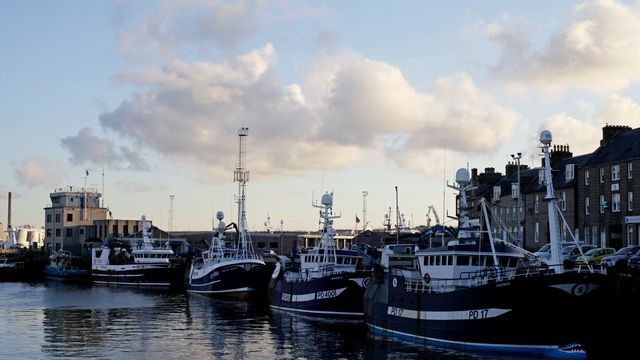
{"x":435,"y":213}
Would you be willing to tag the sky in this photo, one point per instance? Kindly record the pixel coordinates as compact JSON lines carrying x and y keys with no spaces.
{"x":338,"y":96}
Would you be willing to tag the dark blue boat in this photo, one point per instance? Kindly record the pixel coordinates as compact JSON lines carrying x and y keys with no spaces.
{"x":484,"y":294}
{"x":328,"y":282}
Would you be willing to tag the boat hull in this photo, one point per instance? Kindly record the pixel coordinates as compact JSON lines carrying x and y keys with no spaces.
{"x":138,"y":275}
{"x":236,"y":279}
{"x":56,"y":273}
{"x":542,"y":314}
{"x":336,"y":296}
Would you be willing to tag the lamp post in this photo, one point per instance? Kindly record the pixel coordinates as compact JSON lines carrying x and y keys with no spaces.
{"x":517,"y":158}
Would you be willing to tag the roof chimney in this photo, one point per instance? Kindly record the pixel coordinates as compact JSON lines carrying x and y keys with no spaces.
{"x":610,"y":131}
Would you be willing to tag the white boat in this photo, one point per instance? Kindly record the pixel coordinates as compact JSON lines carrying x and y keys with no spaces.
{"x":234,"y":270}
{"x":145,"y":263}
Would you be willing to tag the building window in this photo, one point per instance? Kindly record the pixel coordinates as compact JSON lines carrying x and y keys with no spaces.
{"x":273,"y":245}
{"x":69,"y":232}
{"x":586,"y":235}
{"x":563,"y":201}
{"x":603,"y":237}
{"x":615,"y":172}
{"x":601,"y":175}
{"x":513,"y":214}
{"x":603,"y":204}
{"x":586,"y":205}
{"x":260,"y":244}
{"x":629,"y":234}
{"x":569,"y":171}
{"x":630,"y":201}
{"x":115,"y":230}
{"x":69,"y":217}
{"x":496,"y":193}
{"x":81,"y":231}
{"x":615,"y":202}
{"x":630,"y":171}
{"x":57,"y":218}
{"x":536,"y":233}
{"x":535,"y":205}
{"x":48,"y":218}
{"x":586,"y":177}
{"x":58,"y":232}
{"x":594,"y":235}
{"x":515,"y":190}
{"x":48,"y":232}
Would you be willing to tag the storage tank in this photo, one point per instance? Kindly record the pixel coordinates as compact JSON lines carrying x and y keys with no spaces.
{"x":22,"y":240}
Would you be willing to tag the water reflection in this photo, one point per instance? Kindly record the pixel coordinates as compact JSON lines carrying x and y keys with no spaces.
{"x":57,"y":320}
{"x":303,"y":337}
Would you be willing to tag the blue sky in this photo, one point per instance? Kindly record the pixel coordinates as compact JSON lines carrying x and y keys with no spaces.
{"x":340,"y":96}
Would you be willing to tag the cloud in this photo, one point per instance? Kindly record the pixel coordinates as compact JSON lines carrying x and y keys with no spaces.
{"x":169,"y":28}
{"x":349,"y":109}
{"x":128,"y":185}
{"x":39,"y":171}
{"x":597,"y":49}
{"x":87,"y":148}
{"x":618,"y":110}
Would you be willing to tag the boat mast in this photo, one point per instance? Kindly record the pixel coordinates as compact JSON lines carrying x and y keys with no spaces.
{"x":327,"y":241}
{"x":397,"y":219}
{"x":241,"y":175}
{"x":550,"y":199}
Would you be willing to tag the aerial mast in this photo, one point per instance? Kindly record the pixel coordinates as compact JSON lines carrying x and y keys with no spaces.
{"x":241,"y":175}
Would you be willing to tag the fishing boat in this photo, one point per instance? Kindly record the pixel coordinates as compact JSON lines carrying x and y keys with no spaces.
{"x":9,"y":270}
{"x":64,"y":266}
{"x":146,"y":263}
{"x":481,"y":293}
{"x":234,"y":269}
{"x":328,"y":282}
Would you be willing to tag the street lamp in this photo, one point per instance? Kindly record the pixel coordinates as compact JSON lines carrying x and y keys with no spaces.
{"x":517,"y":158}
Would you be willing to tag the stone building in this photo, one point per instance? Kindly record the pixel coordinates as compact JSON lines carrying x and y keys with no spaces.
{"x":608,"y":212}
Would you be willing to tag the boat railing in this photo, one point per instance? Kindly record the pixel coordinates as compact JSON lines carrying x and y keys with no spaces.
{"x":469,"y":279}
{"x":302,"y":276}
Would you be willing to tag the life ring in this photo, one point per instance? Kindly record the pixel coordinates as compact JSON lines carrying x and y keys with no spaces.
{"x":427,"y":278}
{"x":276,"y":271}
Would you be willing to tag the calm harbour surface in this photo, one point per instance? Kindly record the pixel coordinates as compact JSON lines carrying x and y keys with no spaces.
{"x":59,"y":320}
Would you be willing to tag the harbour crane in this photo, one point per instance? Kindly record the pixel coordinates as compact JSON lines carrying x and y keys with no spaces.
{"x":435,"y":213}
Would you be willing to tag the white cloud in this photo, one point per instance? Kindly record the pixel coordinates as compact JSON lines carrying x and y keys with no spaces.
{"x":171,"y":27}
{"x":128,"y":185}
{"x":39,"y":171}
{"x":87,"y":148}
{"x":597,"y":49}
{"x":583,"y":136}
{"x":350,"y":109}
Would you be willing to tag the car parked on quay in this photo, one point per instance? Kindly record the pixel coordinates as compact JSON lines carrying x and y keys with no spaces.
{"x":618,"y":261}
{"x":593,"y":257}
{"x":571,"y":253}
{"x":633,"y":263}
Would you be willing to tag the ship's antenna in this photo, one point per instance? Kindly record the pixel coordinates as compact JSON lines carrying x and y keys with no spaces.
{"x":171,"y":212}
{"x":365,"y":193}
{"x":397,"y":218}
{"x":102,"y":187}
{"x":241,"y":175}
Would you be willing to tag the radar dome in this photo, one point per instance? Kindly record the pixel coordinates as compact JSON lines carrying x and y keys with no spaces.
{"x":327,"y":200}
{"x":219,"y":215}
{"x":462,"y":176}
{"x":545,"y":137}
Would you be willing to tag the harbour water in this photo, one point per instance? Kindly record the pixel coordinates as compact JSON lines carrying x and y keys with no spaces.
{"x":58,"y":320}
